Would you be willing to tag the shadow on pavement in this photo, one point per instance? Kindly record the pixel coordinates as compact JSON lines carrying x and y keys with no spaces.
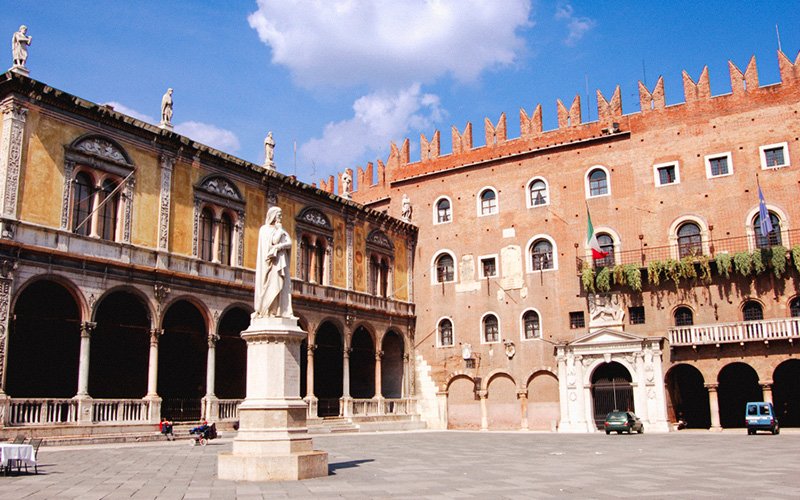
{"x":332,"y":468}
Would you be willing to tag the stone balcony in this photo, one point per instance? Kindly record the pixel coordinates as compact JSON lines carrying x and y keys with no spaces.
{"x":737,"y":332}
{"x":350,"y":298}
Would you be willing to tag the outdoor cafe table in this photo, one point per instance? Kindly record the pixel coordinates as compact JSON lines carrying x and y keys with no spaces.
{"x":22,"y":452}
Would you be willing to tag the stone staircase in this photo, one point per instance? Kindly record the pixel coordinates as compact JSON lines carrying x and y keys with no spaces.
{"x":427,"y":405}
{"x":329,"y":425}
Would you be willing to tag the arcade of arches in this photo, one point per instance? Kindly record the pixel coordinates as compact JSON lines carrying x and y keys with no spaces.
{"x":119,"y":348}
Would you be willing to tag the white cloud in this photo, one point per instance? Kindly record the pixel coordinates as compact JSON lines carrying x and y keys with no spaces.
{"x":386,"y":42}
{"x":210,"y":135}
{"x":378,"y":118}
{"x":121,"y":108}
{"x":576,"y":26}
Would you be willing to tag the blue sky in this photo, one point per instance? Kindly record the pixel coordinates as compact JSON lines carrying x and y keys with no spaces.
{"x":343,"y":78}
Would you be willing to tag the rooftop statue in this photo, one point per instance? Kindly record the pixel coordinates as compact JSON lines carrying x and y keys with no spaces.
{"x":269,"y":151}
{"x":19,"y":46}
{"x":166,"y":109}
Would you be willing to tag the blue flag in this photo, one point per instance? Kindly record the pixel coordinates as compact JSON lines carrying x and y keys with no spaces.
{"x":763,"y":215}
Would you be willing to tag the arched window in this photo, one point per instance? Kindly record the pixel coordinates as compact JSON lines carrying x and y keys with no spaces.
{"x":598,"y":182}
{"x":773,"y":238}
{"x":314,"y":233}
{"x":537,"y":193}
{"x":607,"y":245}
{"x":443,"y":211}
{"x":531,"y":324}
{"x":319,"y":259}
{"x":794,"y":307}
{"x":107,"y":218}
{"x":690,"y":241}
{"x":541,"y":255}
{"x":684,"y":317}
{"x":375,"y":272}
{"x":752,"y":311}
{"x":488,"y":202}
{"x":491,"y":328}
{"x":445,"y":269}
{"x":207,"y":235}
{"x":82,"y":204}
{"x":445,"y":333}
{"x":306,"y":249}
{"x":225,"y":239}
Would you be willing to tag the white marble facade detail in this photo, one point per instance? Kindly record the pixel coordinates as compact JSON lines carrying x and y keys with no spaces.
{"x":14,"y":117}
{"x":164,"y":202}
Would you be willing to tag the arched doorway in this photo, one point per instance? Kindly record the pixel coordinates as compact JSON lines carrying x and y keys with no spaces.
{"x":230,"y":377}
{"x":503,"y":410}
{"x":463,"y":406}
{"x":182,"y":356}
{"x":120,"y":348}
{"x":44,"y":343}
{"x":687,"y":397}
{"x":786,"y":393}
{"x":611,"y":390}
{"x":328,"y":370}
{"x":362,"y":364}
{"x":738,"y":384}
{"x":392,"y":366}
{"x":543,"y":409}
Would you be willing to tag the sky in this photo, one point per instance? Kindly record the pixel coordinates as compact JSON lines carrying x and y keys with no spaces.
{"x":336,"y":81}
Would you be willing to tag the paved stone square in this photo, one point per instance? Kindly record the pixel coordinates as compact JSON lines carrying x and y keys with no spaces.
{"x":440,"y":465}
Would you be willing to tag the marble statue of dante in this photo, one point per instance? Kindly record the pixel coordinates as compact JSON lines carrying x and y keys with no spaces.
{"x":166,"y":108}
{"x":405,"y":213}
{"x":269,"y":150}
{"x":19,"y":46}
{"x":273,"y":296}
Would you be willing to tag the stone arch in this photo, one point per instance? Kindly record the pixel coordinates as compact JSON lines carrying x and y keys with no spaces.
{"x":199,"y":304}
{"x":328,"y":367}
{"x":589,"y":370}
{"x":543,"y":399}
{"x":146,"y":301}
{"x":687,"y":396}
{"x":786,"y":392}
{"x":738,"y":384}
{"x":392,"y":364}
{"x":230,"y":374}
{"x":73,"y":289}
{"x":362,"y":362}
{"x":612,"y":386}
{"x":503,"y":409}
{"x":463,"y":405}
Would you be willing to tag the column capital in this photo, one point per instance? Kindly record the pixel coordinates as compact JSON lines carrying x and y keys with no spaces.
{"x":378,"y":355}
{"x":10,"y":106}
{"x":212,"y":340}
{"x":482,"y":394}
{"x":87,"y":327}
{"x":522,"y":394}
{"x":766,"y":383}
{"x":711,"y":387}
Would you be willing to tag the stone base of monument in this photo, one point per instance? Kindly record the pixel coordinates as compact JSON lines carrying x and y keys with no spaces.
{"x":273,"y":442}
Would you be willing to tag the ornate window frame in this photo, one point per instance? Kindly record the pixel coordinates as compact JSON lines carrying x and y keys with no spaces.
{"x":102,"y":158}
{"x":313,"y":226}
{"x":220,"y":195}
{"x":380,"y":249}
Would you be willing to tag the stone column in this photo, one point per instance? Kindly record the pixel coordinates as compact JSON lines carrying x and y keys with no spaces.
{"x":565,"y":423}
{"x":14,"y":117}
{"x":406,"y":391}
{"x":152,"y":377}
{"x":6,"y":282}
{"x":766,"y":389}
{"x":713,"y":406}
{"x":311,"y":399}
{"x":378,"y":378}
{"x":523,"y":406}
{"x":345,"y":409}
{"x":273,"y":441}
{"x":484,"y":412}
{"x":312,"y":262}
{"x":210,"y":401}
{"x":83,"y":398}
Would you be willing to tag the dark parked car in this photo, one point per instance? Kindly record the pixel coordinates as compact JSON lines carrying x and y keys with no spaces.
{"x":623,"y":421}
{"x":761,"y":416}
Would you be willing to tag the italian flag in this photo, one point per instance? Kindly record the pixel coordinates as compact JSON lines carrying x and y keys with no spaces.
{"x":591,"y":239}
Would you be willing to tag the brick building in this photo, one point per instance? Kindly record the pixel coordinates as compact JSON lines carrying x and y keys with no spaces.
{"x":693,"y":312}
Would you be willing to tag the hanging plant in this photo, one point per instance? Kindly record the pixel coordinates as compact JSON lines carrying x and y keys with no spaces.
{"x":796,"y":257}
{"x":724,"y":264}
{"x":633,"y":276}
{"x":705,"y":269}
{"x":654,"y":272}
{"x":777,"y":260}
{"x":619,"y":274}
{"x":672,"y":270}
{"x":587,"y":277}
{"x":760,"y":259}
{"x":687,"y":269}
{"x":603,"y":280}
{"x":743,"y":263}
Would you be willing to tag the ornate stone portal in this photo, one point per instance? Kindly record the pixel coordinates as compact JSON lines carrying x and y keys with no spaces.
{"x":273,"y":442}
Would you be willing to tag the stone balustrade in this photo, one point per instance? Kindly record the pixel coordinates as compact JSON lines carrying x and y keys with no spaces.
{"x":735,"y":332}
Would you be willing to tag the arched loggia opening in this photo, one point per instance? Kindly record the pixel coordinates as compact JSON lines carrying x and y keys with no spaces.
{"x":392,"y":366}
{"x":362,"y":365}
{"x":230,"y":375}
{"x":738,"y":384}
{"x":687,"y":397}
{"x":120,"y":347}
{"x":328,"y":369}
{"x":44,"y":343}
{"x":182,"y":356}
{"x":786,"y":393}
{"x":611,"y":390}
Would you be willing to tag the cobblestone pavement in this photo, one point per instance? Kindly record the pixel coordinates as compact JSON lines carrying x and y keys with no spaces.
{"x":440,"y":465}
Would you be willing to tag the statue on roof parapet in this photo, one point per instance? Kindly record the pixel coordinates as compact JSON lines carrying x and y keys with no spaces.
{"x":20,"y":42}
{"x":347,"y":185}
{"x":166,"y":110}
{"x":269,"y":152}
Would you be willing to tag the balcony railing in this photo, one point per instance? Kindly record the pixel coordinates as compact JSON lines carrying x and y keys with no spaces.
{"x":738,"y":332}
{"x":41,"y":411}
{"x":351,"y":298}
{"x":712,"y":247}
{"x":120,"y":410}
{"x":377,"y":407}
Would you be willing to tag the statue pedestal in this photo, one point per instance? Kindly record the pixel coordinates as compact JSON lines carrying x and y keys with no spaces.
{"x":273,"y":442}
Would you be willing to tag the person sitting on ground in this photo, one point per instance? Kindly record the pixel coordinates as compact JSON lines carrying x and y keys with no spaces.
{"x":166,"y":428}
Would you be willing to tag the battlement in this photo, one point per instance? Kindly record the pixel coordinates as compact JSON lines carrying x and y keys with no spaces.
{"x":698,"y":101}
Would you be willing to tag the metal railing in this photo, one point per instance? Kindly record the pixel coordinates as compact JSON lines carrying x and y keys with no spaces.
{"x":736,"y":332}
